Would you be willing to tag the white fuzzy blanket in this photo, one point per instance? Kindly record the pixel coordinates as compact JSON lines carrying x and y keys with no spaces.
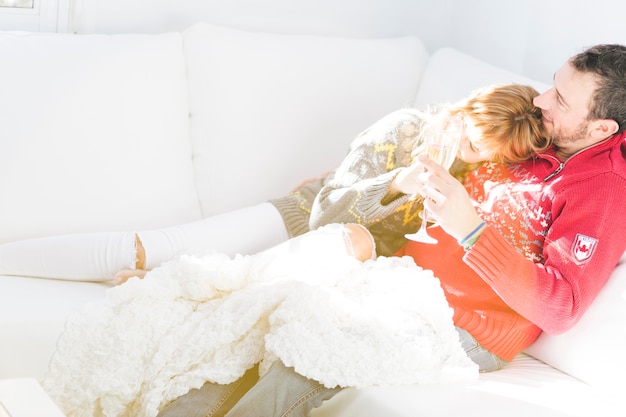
{"x":194,"y":319}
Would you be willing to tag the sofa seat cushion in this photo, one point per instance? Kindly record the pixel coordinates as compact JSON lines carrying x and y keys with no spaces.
{"x":525,"y":387}
{"x":33,"y":312}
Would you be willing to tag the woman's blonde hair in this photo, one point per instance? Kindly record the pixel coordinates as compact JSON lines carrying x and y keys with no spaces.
{"x":510,"y":122}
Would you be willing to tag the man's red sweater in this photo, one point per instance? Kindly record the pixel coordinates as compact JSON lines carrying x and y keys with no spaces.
{"x":555,"y":233}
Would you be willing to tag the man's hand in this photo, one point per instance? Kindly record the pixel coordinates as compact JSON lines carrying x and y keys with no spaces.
{"x":446,"y":200}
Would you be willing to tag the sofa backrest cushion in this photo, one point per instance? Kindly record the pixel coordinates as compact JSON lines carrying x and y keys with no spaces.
{"x":593,"y":350}
{"x":93,"y":134}
{"x":452,"y":75}
{"x":269,"y":110}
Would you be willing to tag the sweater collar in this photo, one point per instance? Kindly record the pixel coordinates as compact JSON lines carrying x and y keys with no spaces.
{"x":618,"y":139}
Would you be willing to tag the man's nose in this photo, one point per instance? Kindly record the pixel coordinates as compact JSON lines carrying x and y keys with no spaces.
{"x":541,"y":100}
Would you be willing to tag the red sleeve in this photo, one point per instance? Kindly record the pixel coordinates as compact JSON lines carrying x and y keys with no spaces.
{"x":581,"y":249}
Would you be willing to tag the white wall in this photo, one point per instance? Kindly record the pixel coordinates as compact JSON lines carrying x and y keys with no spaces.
{"x":334,"y":17}
{"x":533,"y":37}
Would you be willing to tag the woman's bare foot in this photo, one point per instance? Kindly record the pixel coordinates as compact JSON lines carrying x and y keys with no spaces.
{"x":140,"y":254}
{"x":140,"y":265}
{"x":126,"y":274}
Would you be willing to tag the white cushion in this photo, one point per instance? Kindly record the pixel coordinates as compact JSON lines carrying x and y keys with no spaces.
{"x":523,"y":388}
{"x":593,"y":351}
{"x":94,"y":134}
{"x":452,"y":75}
{"x":268,"y":110}
{"x":33,"y":312}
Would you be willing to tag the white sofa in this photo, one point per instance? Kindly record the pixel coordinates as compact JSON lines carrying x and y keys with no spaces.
{"x":128,"y":132}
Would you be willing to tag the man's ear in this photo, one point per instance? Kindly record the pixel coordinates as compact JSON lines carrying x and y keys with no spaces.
{"x":603,"y":128}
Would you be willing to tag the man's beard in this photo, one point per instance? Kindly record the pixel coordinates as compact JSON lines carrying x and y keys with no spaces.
{"x":562,"y":137}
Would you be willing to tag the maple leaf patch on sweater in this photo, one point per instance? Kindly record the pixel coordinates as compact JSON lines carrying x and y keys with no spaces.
{"x":583,"y":247}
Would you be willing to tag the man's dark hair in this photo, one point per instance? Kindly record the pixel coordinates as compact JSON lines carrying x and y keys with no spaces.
{"x":608,"y":63}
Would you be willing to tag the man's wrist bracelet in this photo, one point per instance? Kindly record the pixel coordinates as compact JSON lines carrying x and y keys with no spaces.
{"x":468,"y":241}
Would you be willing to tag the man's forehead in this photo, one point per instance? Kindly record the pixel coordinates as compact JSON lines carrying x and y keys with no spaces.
{"x":574,"y":87}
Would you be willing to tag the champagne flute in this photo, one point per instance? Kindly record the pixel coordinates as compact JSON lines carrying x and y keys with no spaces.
{"x":442,"y":144}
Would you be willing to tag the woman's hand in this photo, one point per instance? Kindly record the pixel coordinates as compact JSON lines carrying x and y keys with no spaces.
{"x":446,"y":200}
{"x":406,"y":181}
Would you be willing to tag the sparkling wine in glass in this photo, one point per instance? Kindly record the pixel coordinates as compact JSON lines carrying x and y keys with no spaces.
{"x":442,"y":144}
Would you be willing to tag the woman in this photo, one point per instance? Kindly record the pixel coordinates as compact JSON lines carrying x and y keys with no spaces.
{"x":374,"y":184}
{"x":364,"y":189}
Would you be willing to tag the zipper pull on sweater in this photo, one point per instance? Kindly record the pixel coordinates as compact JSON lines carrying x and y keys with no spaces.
{"x":555,"y":173}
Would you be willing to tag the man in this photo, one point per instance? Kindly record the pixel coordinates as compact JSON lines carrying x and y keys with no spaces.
{"x":537,"y":240}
